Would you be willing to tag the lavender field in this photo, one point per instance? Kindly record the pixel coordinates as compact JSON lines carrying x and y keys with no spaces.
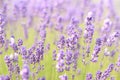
{"x":59,"y":40}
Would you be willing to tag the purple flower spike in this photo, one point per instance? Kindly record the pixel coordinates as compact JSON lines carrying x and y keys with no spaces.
{"x":25,"y":72}
{"x":98,"y":75}
{"x":20,"y":42}
{"x":89,"y":76}
{"x":63,"y":77}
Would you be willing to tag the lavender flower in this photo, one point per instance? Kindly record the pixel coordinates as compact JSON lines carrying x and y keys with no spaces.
{"x":96,"y":50}
{"x":89,"y":30}
{"x":89,"y":76}
{"x":106,"y":73}
{"x":20,"y":42}
{"x":63,"y":77}
{"x":25,"y":72}
{"x":98,"y":75}
{"x":61,"y":42}
{"x":54,"y":55}
{"x":12,"y":40}
{"x":61,"y":21}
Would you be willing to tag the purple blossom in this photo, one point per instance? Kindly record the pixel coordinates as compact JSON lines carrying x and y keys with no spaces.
{"x":20,"y":42}
{"x":96,"y":50}
{"x":54,"y":55}
{"x":89,"y":76}
{"x":58,"y":24}
{"x":25,"y":72}
{"x":88,"y":33}
{"x":63,"y":77}
{"x":112,"y":78}
{"x":107,"y":72}
{"x":98,"y":75}
{"x":61,"y":42}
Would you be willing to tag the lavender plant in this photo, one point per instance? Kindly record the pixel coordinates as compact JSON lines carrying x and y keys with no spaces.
{"x":59,"y":40}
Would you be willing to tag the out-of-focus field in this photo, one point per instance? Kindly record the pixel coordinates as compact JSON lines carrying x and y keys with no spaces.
{"x":50,"y":71}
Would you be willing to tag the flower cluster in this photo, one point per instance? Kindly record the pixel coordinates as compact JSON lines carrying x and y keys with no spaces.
{"x":49,"y":40}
